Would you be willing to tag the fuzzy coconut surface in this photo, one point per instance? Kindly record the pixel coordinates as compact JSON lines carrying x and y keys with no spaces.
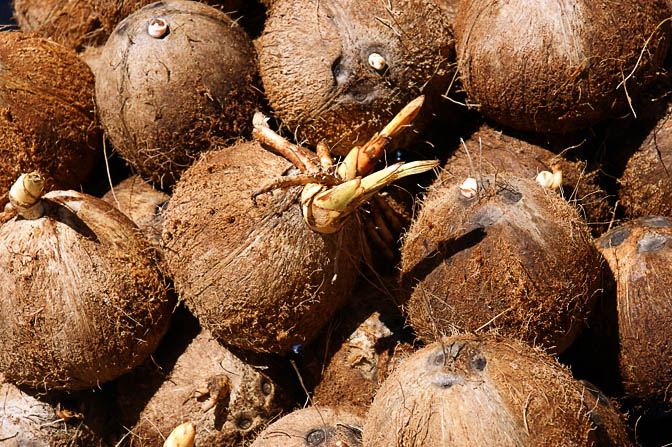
{"x":551,"y":66}
{"x":516,"y":258}
{"x":475,"y":391}
{"x":314,"y":64}
{"x":81,"y":23}
{"x":82,"y":299}
{"x":47,"y":113}
{"x":639,"y":255}
{"x":256,"y":276}
{"x":315,"y":426}
{"x":163,"y":100}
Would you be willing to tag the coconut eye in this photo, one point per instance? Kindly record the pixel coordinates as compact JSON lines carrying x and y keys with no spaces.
{"x":377,"y":62}
{"x":315,"y":437}
{"x":157,"y":28}
{"x":616,"y":237}
{"x":651,"y":242}
{"x":266,"y":387}
{"x":478,"y":362}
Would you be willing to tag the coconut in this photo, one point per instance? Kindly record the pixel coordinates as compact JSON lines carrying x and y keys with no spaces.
{"x":639,"y":254}
{"x":491,"y":151}
{"x":81,"y":23}
{"x":313,"y":427}
{"x":256,"y":276}
{"x":192,"y":377}
{"x":174,"y":76}
{"x":47,"y":116}
{"x":28,"y":419}
{"x":82,"y":299}
{"x":336,"y":70}
{"x":356,"y":351}
{"x":143,"y":204}
{"x":646,"y":185}
{"x":499,"y":253}
{"x":551,"y":66}
{"x":472,"y":391}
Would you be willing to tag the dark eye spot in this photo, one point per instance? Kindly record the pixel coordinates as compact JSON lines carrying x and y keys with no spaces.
{"x":478,"y":362}
{"x":656,"y":221}
{"x":244,"y":423}
{"x":339,"y":72}
{"x":615,"y":237}
{"x":651,"y":242}
{"x":445,"y":380}
{"x":510,"y":196}
{"x":266,"y":387}
{"x":315,"y":437}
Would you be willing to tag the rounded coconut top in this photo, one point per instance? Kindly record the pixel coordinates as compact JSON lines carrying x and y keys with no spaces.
{"x":82,"y":299}
{"x":313,"y":427}
{"x":172,"y":78}
{"x":468,"y":391}
{"x":639,"y":254}
{"x":47,"y":113}
{"x":253,"y":272}
{"x":339,"y":70}
{"x":552,"y":66}
{"x":507,"y":255}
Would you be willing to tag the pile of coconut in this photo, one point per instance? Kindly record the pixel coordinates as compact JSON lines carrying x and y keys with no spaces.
{"x":336,"y":223}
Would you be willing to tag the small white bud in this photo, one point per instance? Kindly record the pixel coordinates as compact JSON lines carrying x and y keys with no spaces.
{"x":550,"y":180}
{"x":377,"y":61}
{"x":469,"y":188}
{"x":27,"y":189}
{"x":157,"y":28}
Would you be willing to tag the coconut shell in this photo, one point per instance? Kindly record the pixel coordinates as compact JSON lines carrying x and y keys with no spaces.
{"x":164,"y":100}
{"x":255,"y":276}
{"x":515,"y":258}
{"x":313,"y":427}
{"x":490,"y":151}
{"x":552,"y":66}
{"x":234,"y":401}
{"x":143,"y":204}
{"x":314,"y":64}
{"x":47,"y":113}
{"x":639,"y":254}
{"x":646,"y":185}
{"x":82,"y":299}
{"x":80,"y":23}
{"x":28,"y":419}
{"x":474,"y":391}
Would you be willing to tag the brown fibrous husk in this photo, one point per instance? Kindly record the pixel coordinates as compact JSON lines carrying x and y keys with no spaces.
{"x":164,"y":100}
{"x":639,"y":254}
{"x":47,"y":113}
{"x":313,"y":61}
{"x":515,"y":258}
{"x":552,"y":66}
{"x":255,"y":275}
{"x":314,"y":426}
{"x":81,"y":23}
{"x":192,"y":377}
{"x":467,"y":390}
{"x":82,"y":299}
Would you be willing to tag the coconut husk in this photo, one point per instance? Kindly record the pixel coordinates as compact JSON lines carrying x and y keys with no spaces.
{"x":255,"y":275}
{"x":515,"y":258}
{"x":468,"y":390}
{"x":313,"y":427}
{"x":557,"y":67}
{"x":314,"y":64}
{"x":192,"y":377}
{"x":82,"y":299}
{"x":164,"y":100}
{"x":639,"y":254}
{"x":47,"y":113}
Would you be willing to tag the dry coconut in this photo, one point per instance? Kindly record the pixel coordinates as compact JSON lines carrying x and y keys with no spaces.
{"x":81,"y":23}
{"x":192,"y":377}
{"x":551,"y":66}
{"x":142,"y":203}
{"x":47,"y":113}
{"x":172,"y":77}
{"x":468,"y":391}
{"x":639,"y":254}
{"x":255,"y":275}
{"x":499,"y":253}
{"x":337,"y":70}
{"x":313,"y":427}
{"x":82,"y":299}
